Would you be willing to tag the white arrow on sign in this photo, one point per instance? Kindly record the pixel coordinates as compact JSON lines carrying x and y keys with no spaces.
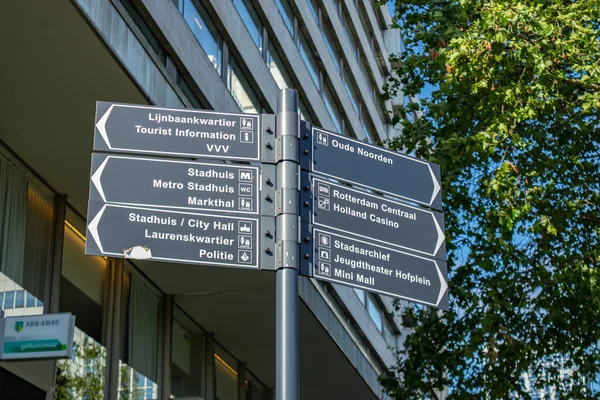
{"x":96,"y":178}
{"x":93,"y":228}
{"x":436,"y":185}
{"x":441,"y":236}
{"x":443,"y":284}
{"x":101,"y":125}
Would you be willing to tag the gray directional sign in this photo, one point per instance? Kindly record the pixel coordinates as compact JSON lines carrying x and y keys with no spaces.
{"x":174,"y":184}
{"x":186,"y":133}
{"x":341,"y":259}
{"x":152,"y":234}
{"x":374,"y":218}
{"x":375,"y":168}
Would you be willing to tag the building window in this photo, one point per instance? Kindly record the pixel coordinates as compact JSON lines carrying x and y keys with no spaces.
{"x":351,"y":90}
{"x":368,"y":128}
{"x":9,"y":300}
{"x":30,"y":300}
{"x":255,"y":390}
{"x":20,"y":299}
{"x":204,"y":31}
{"x":188,"y":347}
{"x":314,"y":8}
{"x":361,"y":294}
{"x":278,"y":71}
{"x":331,"y":45}
{"x":82,"y":283}
{"x":374,"y":311}
{"x":226,"y":373}
{"x":333,"y":109}
{"x":251,"y":20}
{"x":309,"y":60}
{"x":26,"y":221}
{"x":349,"y":34}
{"x":240,"y":89}
{"x":286,"y":13}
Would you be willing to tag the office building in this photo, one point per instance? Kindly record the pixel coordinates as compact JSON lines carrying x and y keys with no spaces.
{"x":149,"y":330}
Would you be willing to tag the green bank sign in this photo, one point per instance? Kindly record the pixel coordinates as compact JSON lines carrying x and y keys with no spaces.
{"x":39,"y":336}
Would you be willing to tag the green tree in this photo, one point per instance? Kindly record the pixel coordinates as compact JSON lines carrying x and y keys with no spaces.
{"x":513,"y":120}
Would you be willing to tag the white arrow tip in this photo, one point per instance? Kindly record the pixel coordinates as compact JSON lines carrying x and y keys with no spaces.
{"x":101,"y":125}
{"x":93,"y":227}
{"x":96,"y":178}
{"x":443,"y":284}
{"x":440,"y":233}
{"x":436,"y":185}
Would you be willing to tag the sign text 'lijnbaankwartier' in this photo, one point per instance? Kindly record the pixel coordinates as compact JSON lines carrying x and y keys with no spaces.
{"x":176,"y":132}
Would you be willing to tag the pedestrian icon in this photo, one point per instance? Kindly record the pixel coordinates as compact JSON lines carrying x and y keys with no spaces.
{"x":246,"y":137}
{"x":247,"y":123}
{"x":324,"y":240}
{"x":323,"y":139}
{"x":245,"y":204}
{"x":244,"y":256}
{"x":244,"y":242}
{"x":324,"y":269}
{"x":324,"y":203}
{"x":245,"y":227}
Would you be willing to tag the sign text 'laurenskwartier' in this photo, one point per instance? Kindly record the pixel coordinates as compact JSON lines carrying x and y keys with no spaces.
{"x":144,"y":233}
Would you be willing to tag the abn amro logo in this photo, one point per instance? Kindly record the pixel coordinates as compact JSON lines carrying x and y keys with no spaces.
{"x":19,"y":326}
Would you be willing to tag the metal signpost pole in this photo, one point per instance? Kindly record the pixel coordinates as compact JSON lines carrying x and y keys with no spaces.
{"x":287,"y":232}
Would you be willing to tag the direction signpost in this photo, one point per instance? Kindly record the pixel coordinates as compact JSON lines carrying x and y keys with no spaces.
{"x":205,"y":213}
{"x":144,"y":233}
{"x":184,"y":133}
{"x":375,"y":168}
{"x":359,"y":263}
{"x":174,"y":184}
{"x":377,"y":219}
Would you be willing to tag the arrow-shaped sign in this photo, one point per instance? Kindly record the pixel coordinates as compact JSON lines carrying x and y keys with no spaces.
{"x":375,"y":168}
{"x":356,"y":263}
{"x":375,"y":218}
{"x":155,"y":182}
{"x":136,"y":232}
{"x":178,"y":132}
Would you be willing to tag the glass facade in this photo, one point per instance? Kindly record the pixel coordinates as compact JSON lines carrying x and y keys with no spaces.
{"x":122,"y":332}
{"x":204,"y":31}
{"x":287,"y":14}
{"x":277,"y":69}
{"x":333,"y":109}
{"x":240,"y":89}
{"x":251,"y":20}
{"x":331,"y":46}
{"x":309,"y":60}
